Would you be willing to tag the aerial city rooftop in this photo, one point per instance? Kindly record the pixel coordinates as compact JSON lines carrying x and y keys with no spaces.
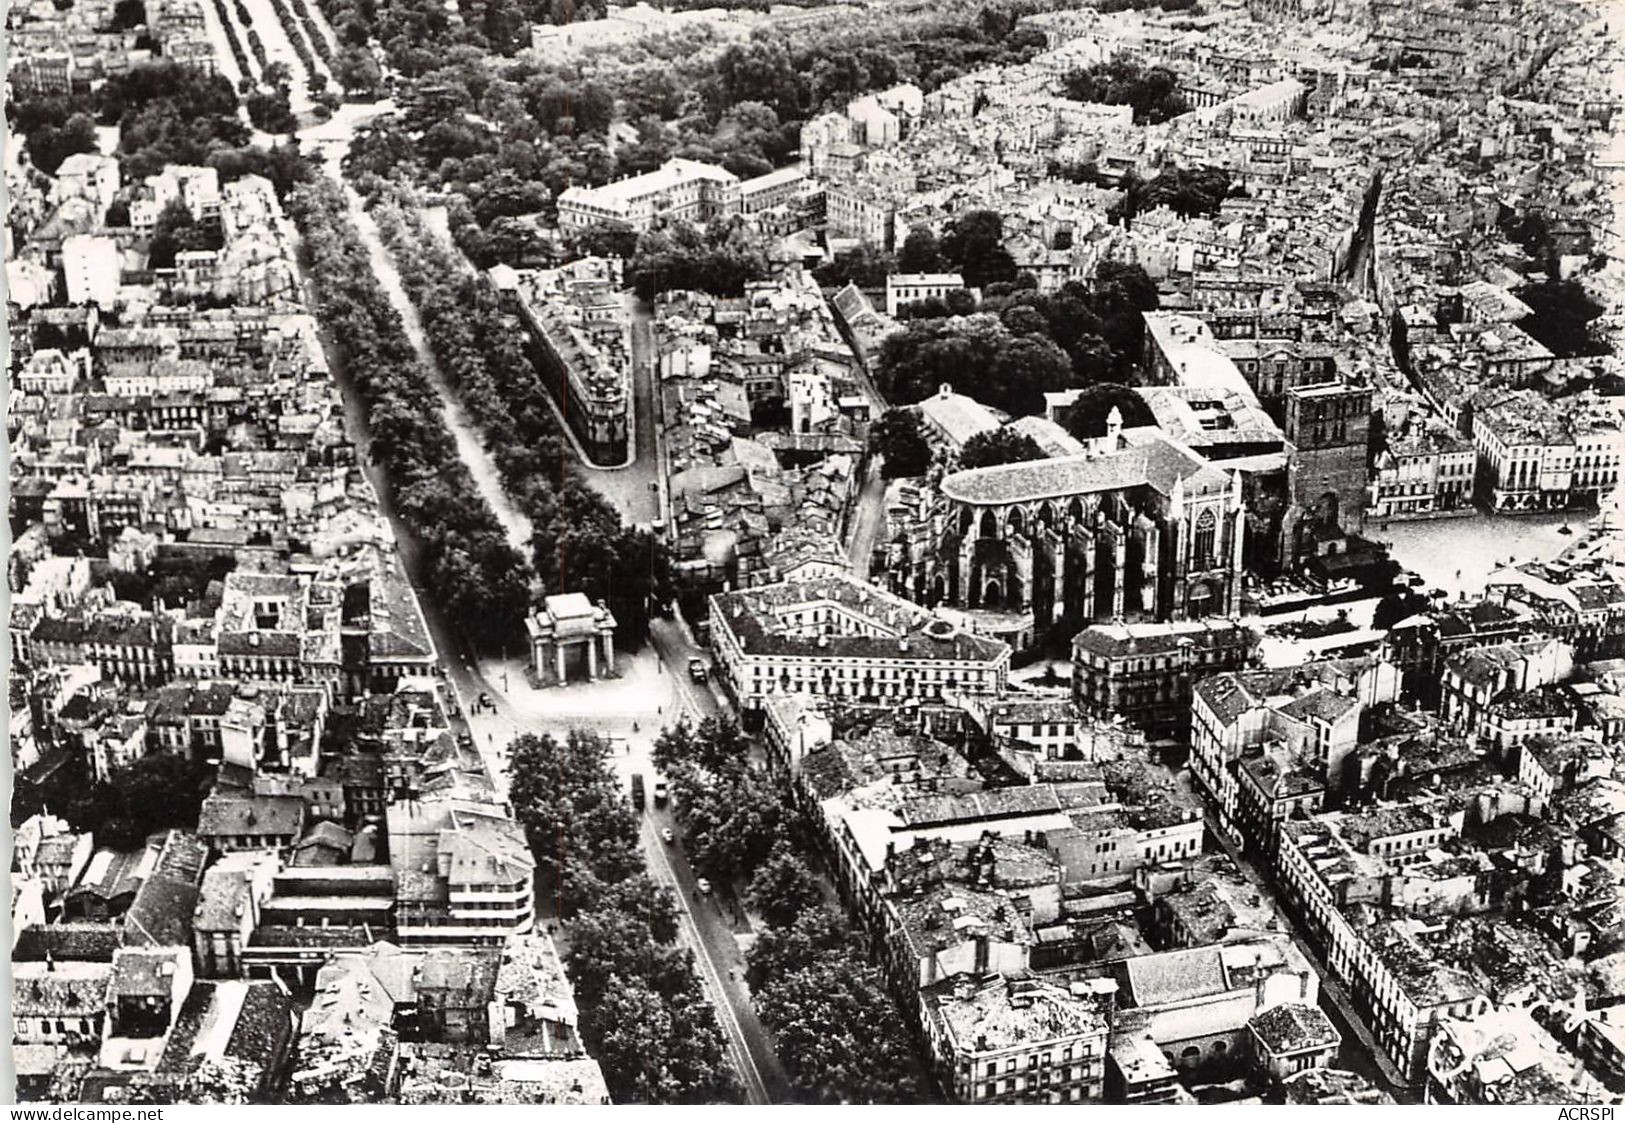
{"x":855,"y":552}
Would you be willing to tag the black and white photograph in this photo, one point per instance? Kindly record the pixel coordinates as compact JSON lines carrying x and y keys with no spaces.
{"x":815,"y":552}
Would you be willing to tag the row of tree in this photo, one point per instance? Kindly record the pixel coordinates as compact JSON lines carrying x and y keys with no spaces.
{"x":270,"y":106}
{"x":255,"y":44}
{"x":465,"y":558}
{"x":318,"y":41}
{"x":643,"y":1016}
{"x":731,"y":816}
{"x":290,"y":29}
{"x":837,"y":1029}
{"x":579,"y":543}
{"x":233,"y":42}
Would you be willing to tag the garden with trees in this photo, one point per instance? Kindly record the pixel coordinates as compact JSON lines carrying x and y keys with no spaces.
{"x":158,"y":792}
{"x":687,"y":93}
{"x":166,"y":114}
{"x":678,"y":255}
{"x":1151,"y":91}
{"x":1188,"y":192}
{"x":976,"y":355}
{"x":1024,"y":343}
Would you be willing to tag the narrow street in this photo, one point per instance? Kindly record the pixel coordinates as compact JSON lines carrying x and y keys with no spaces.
{"x":707,"y":932}
{"x":868,"y":520}
{"x":1360,"y":1051}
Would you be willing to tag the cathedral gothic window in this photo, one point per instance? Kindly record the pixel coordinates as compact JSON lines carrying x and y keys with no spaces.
{"x":1205,"y":531}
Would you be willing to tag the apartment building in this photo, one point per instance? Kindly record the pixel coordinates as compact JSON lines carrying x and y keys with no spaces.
{"x":839,"y":637}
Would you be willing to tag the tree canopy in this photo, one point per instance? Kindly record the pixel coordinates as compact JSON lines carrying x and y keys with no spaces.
{"x":169,"y":113}
{"x":679,"y":255}
{"x":642,"y":1013}
{"x":464,"y":553}
{"x":899,"y":438}
{"x":574,"y":811}
{"x":921,"y":252}
{"x":1086,"y":419}
{"x":973,"y":245}
{"x":158,"y":792}
{"x":976,"y":355}
{"x":1152,"y":92}
{"x":1187,"y":191}
{"x":53,"y":128}
{"x":998,"y":446}
{"x":782,"y":888}
{"x":1561,"y":315}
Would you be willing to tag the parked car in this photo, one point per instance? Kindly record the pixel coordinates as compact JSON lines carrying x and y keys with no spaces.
{"x":661,"y":793}
{"x":697,"y":670}
{"x":703,"y":886}
{"x":666,"y":835}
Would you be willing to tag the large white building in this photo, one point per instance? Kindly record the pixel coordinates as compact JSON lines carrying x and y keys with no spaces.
{"x":90,"y":267}
{"x":678,"y":189}
{"x":1538,"y":455}
{"x":840,"y":637}
{"x":903,"y":289}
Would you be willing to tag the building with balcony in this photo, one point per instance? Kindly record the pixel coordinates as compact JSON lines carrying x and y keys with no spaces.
{"x":839,"y":637}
